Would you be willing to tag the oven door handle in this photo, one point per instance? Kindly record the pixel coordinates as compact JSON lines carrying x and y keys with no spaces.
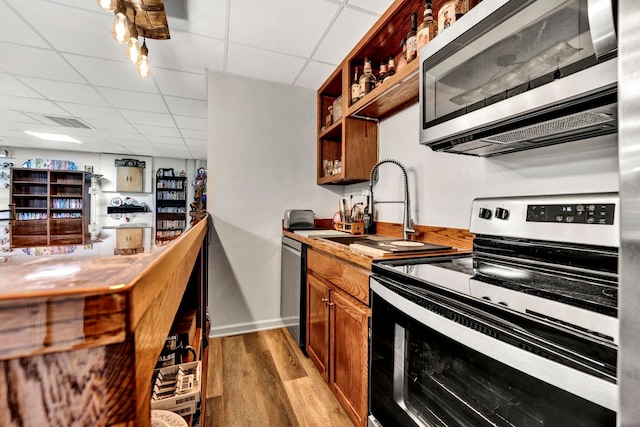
{"x":592,"y":388}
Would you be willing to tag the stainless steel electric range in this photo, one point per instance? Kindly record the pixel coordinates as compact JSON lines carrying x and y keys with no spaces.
{"x":523,"y":332}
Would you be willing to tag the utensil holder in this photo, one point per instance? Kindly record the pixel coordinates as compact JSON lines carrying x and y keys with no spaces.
{"x":355,"y":228}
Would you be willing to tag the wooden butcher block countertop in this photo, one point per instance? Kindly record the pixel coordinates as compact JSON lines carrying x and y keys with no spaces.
{"x":460,"y":240}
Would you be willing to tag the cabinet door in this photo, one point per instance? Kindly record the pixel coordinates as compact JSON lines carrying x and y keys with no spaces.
{"x":129,"y":179}
{"x":349,"y":355}
{"x":318,"y":324}
{"x":129,"y":241}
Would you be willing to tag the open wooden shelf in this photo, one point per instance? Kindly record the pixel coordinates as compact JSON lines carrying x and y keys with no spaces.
{"x":353,"y":139}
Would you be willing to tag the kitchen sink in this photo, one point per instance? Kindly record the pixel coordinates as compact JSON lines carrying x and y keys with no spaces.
{"x":346,"y":240}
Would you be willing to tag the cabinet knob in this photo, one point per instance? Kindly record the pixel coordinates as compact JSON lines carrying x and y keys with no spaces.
{"x":325,"y":300}
{"x":331,"y":304}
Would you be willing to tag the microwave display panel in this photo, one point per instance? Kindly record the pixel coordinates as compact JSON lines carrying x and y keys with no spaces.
{"x":536,"y":45}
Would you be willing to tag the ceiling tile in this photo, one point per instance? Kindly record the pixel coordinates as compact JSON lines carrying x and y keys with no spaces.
{"x":187,"y":107}
{"x":7,"y":116}
{"x":134,"y":100}
{"x":82,"y":111}
{"x":276,"y":67}
{"x":152,"y":131}
{"x":145,"y":151}
{"x":152,"y":119}
{"x":194,"y":134}
{"x":111,"y":73}
{"x":129,"y":143}
{"x":62,"y":91}
{"x":186,"y":52}
{"x":377,"y":6}
{"x":293,"y":27}
{"x":344,"y":34}
{"x":197,"y":143}
{"x":110,"y":125}
{"x":314,"y":75}
{"x":195,"y":123}
{"x":176,"y":83}
{"x":129,"y":137}
{"x":35,"y":62}
{"x":14,"y":29}
{"x":10,"y":85}
{"x":30,"y":105}
{"x":164,"y":142}
{"x":52,"y":21}
{"x":175,"y":154}
{"x":206,"y":17}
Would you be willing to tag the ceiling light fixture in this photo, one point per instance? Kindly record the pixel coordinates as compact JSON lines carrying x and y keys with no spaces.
{"x":144,"y":69}
{"x":53,"y":137}
{"x":120,"y":27}
{"x":133,"y":50}
{"x":108,"y":5}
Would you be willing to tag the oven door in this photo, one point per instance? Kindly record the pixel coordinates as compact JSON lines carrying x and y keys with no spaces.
{"x":436,"y":363}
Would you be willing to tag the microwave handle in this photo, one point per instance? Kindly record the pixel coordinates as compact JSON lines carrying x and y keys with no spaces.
{"x":601,"y":23}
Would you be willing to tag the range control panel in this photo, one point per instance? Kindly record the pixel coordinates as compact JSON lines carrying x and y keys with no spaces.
{"x":572,"y":213}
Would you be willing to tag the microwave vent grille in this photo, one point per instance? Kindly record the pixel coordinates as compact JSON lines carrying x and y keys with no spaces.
{"x":572,"y":122}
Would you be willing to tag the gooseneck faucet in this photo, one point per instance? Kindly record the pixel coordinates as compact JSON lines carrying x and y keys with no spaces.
{"x":407,"y":222}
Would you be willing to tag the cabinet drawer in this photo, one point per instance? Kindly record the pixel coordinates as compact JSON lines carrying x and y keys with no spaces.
{"x":351,"y":279}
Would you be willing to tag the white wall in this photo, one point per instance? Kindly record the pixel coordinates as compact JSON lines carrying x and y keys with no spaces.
{"x":262,"y":153}
{"x":443,"y":185}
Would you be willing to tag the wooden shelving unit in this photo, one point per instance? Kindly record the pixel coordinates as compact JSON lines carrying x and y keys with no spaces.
{"x":51,"y":207}
{"x":353,"y":139}
{"x":171,"y":207}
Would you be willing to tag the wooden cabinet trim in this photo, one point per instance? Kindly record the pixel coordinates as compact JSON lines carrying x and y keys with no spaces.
{"x":351,"y":279}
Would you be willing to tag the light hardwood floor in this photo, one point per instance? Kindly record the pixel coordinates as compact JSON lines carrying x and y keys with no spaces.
{"x":263,"y":379}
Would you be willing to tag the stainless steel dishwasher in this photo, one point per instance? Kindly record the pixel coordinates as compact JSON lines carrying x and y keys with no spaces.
{"x":292,"y":288}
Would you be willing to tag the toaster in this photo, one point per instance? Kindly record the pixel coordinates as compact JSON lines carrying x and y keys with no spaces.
{"x":298,"y":219}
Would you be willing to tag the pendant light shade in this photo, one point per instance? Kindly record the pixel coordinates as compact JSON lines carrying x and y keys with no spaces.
{"x":120,"y":28}
{"x":144,"y":69}
{"x":133,"y":50}
{"x":108,"y":5}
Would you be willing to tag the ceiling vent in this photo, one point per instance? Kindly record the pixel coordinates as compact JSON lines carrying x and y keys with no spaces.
{"x":68,"y":122}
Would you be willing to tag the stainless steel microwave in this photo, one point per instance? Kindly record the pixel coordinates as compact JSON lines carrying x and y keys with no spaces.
{"x":512,"y":75}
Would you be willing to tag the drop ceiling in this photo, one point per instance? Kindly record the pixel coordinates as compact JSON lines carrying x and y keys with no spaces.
{"x":58,"y":59}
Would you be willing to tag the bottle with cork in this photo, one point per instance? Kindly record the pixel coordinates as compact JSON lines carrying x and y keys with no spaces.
{"x":428,"y":28}
{"x":412,"y":39}
{"x":401,"y":59}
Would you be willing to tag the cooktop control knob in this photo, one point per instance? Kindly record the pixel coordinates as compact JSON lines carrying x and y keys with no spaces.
{"x":502,"y":213}
{"x":484,"y":213}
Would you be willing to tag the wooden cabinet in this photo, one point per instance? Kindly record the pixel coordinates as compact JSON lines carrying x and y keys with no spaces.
{"x":338,"y":330}
{"x":51,"y":207}
{"x":171,"y":207}
{"x":129,"y":179}
{"x":352,"y":139}
{"x":318,"y":324}
{"x":129,"y":241}
{"x":349,"y":355}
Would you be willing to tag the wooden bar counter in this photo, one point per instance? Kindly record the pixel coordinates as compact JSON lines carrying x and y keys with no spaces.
{"x":80,"y":335}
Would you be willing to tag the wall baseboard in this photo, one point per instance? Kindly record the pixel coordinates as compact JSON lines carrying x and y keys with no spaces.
{"x":243,"y":328}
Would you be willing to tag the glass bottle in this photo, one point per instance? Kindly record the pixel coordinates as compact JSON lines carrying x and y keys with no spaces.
{"x":355,"y":88}
{"x":453,"y":10}
{"x":391,"y":67}
{"x":428,"y":27}
{"x":382,"y":74}
{"x":401,"y":59}
{"x":412,"y":39}
{"x":367,"y":80}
